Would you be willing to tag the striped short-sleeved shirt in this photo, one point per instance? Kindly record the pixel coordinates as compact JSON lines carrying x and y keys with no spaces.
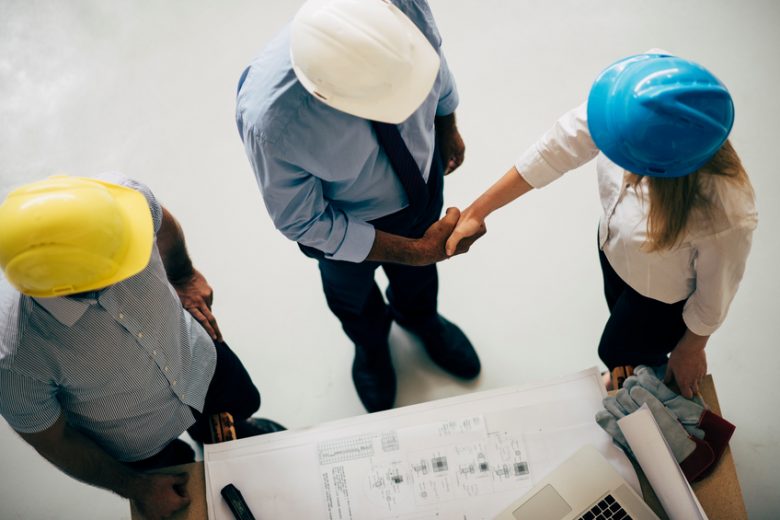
{"x":124,"y":364}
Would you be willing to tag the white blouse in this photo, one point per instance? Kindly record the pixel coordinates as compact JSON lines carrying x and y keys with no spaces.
{"x":705,"y":267}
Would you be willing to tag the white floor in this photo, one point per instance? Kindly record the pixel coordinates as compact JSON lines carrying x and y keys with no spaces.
{"x":147,"y":88}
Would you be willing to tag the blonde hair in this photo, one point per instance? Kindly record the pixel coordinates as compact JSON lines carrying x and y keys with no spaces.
{"x":673,"y":200}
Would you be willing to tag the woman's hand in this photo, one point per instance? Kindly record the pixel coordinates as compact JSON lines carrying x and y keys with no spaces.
{"x":688,"y":363}
{"x":471,"y":224}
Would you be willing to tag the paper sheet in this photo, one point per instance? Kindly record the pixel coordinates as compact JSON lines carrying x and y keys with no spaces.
{"x":656,"y":459}
{"x":465,"y":457}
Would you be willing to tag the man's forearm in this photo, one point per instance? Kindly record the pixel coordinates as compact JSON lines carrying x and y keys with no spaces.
{"x":426,"y":250}
{"x":394,"y":249}
{"x":445,"y":123}
{"x":79,"y":456}
{"x":173,"y":250}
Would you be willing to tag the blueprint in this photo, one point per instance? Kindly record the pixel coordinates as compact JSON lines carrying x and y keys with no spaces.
{"x":399,"y":473}
{"x":462,"y":458}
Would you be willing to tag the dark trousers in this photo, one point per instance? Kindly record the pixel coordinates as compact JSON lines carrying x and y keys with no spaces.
{"x":640,"y":330}
{"x":353,"y":295}
{"x":230,"y":390}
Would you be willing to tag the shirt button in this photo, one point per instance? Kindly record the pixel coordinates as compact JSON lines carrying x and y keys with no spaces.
{"x":121,"y":315}
{"x":166,"y":369}
{"x":173,"y":383}
{"x":154,"y":352}
{"x":140,"y":335}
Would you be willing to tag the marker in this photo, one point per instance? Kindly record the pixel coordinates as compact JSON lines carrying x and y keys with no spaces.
{"x":236,"y":503}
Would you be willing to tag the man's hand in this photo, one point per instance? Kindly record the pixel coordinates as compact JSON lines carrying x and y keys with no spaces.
{"x":158,"y":496}
{"x":688,"y":363}
{"x":196,"y":296}
{"x":420,"y":251}
{"x":451,"y":146}
{"x":155,"y":495}
{"x":194,"y":291}
{"x":470,"y":227}
{"x":431,"y":247}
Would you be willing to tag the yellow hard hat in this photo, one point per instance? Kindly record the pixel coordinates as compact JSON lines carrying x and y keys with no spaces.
{"x":65,"y":235}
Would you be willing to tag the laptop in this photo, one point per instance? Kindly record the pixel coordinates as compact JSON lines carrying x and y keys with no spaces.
{"x":584,"y":487}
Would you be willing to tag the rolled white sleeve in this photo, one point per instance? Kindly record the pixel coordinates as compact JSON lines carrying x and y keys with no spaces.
{"x":566,"y":146}
{"x":719,"y":264}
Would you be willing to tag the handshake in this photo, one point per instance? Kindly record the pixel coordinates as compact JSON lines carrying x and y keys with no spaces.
{"x":451,"y":235}
{"x":696,"y":436}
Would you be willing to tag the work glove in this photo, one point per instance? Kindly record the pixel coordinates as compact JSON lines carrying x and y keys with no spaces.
{"x":697,"y":420}
{"x":694,"y":455}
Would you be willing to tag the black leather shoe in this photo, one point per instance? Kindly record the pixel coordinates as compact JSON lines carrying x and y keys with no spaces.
{"x":256,"y":426}
{"x":447,"y":346}
{"x":374,"y":377}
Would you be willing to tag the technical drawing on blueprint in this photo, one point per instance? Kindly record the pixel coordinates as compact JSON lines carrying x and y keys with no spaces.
{"x":429,"y":471}
{"x":460,"y":458}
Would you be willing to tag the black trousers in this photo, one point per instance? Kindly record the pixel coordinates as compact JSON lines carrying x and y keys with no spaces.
{"x":640,"y":330}
{"x":230,"y":390}
{"x":353,"y":295}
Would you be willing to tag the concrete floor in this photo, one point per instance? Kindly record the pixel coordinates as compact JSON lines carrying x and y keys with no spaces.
{"x":147,"y":88}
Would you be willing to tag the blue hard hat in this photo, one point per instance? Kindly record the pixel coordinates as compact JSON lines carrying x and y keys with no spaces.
{"x":659,"y":115}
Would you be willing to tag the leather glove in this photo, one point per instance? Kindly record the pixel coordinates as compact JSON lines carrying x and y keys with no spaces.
{"x":697,"y":420}
{"x":694,"y":455}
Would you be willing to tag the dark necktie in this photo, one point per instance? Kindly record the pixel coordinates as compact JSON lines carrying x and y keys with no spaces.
{"x":403,"y":164}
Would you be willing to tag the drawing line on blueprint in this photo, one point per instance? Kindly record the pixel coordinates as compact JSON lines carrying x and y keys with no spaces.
{"x":395,"y":472}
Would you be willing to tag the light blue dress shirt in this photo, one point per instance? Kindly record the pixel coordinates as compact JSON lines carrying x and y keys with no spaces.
{"x":322,"y":173}
{"x":123,"y":365}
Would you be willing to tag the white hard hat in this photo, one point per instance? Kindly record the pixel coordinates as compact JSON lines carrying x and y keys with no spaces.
{"x":363,"y":57}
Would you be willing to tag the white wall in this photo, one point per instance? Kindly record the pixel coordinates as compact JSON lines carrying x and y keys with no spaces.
{"x":147,"y":88}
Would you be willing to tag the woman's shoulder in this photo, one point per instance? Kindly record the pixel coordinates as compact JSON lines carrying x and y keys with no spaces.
{"x":734,"y":195}
{"x":727,"y":203}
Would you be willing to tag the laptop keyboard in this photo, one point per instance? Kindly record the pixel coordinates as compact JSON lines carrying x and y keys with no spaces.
{"x":607,"y":508}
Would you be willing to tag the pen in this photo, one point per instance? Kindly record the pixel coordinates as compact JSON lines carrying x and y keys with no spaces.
{"x":236,"y":503}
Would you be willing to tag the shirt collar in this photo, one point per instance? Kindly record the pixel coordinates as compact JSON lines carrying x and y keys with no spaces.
{"x":67,"y":310}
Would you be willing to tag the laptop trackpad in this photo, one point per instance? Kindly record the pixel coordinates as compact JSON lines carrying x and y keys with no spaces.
{"x":547,"y":504}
